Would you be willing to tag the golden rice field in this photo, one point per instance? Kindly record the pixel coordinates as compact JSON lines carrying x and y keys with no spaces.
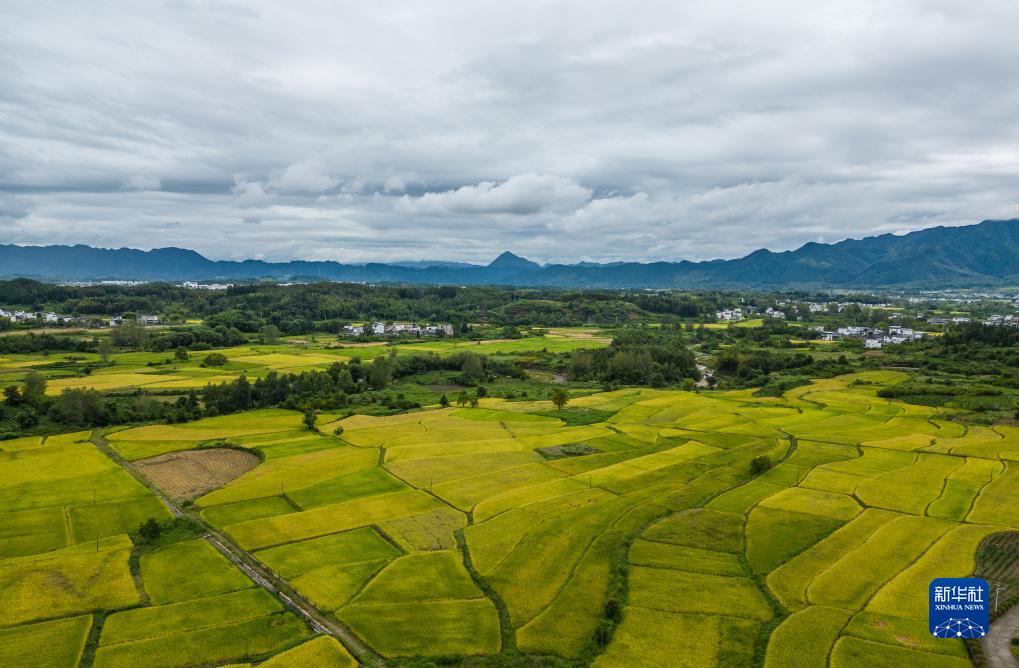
{"x":160,"y":371}
{"x":69,"y":593}
{"x":445,"y":532}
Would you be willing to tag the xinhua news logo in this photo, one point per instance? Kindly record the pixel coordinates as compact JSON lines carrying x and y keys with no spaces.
{"x":959,"y":608}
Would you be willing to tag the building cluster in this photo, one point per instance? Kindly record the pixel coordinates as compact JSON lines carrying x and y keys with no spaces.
{"x":51,"y":318}
{"x":398,"y":329}
{"x":192,"y":285}
{"x":744,"y":312}
{"x":871,"y":337}
{"x":999,"y":319}
{"x":44,"y":316}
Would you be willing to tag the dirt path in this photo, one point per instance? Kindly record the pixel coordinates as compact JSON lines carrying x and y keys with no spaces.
{"x":997,"y":644}
{"x":259,"y":574}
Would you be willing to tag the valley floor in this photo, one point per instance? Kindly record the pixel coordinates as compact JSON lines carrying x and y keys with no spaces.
{"x":447,"y":532}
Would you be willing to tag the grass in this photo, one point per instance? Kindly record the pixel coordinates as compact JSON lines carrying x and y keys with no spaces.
{"x":681,"y":557}
{"x":155,"y":621}
{"x":53,"y":644}
{"x":85,"y":579}
{"x":700,"y":593}
{"x":241,"y":511}
{"x":805,"y":639}
{"x":187,"y":571}
{"x":113,"y":517}
{"x":851,"y":652}
{"x":851,"y":580}
{"x":321,"y":651}
{"x":349,"y":547}
{"x":660,"y":549}
{"x":213,"y":645}
{"x":32,"y":531}
{"x":434,"y":628}
{"x":421,"y":577}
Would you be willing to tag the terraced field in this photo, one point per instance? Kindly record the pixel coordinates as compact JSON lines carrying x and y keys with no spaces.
{"x":445,"y":532}
{"x":75,"y":590}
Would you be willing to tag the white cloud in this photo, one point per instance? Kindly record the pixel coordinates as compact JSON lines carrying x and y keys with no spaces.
{"x":661,"y":130}
{"x":309,"y":176}
{"x":249,"y":193}
{"x":395,"y":184}
{"x":522,"y":194}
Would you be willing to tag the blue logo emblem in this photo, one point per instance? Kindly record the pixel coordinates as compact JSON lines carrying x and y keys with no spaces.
{"x":959,"y":608}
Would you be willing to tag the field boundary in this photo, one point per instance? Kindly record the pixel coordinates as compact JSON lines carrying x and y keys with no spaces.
{"x":248,"y":564}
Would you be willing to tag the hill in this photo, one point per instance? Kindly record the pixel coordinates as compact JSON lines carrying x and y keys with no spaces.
{"x":982,"y":255}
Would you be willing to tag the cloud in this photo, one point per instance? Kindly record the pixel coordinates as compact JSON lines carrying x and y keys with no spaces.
{"x":142,"y":182}
{"x":408,"y":132}
{"x":395,"y":184}
{"x":308,"y":176}
{"x":13,"y":208}
{"x":522,"y":194}
{"x":249,"y":193}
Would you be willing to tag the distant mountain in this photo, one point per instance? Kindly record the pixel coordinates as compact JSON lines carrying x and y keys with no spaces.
{"x":980,"y":255}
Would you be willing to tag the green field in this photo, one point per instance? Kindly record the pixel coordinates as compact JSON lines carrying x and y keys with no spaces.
{"x":161,"y":371}
{"x":448,"y":533}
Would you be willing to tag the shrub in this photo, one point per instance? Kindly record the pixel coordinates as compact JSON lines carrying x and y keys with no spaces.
{"x":760,"y":464}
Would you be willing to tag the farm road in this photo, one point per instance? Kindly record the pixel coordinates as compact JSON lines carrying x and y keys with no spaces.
{"x":259,"y":574}
{"x":997,"y":644}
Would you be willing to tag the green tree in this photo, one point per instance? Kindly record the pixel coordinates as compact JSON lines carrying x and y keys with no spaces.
{"x":269,"y":334}
{"x":309,"y":420}
{"x":444,"y":401}
{"x":215,"y":359}
{"x":35,"y":387}
{"x":105,"y":349}
{"x":181,"y":354}
{"x":760,"y":464}
{"x":380,"y":373}
{"x":559,"y":397}
{"x":461,"y":399}
{"x":150,"y":529}
{"x":12,"y":395}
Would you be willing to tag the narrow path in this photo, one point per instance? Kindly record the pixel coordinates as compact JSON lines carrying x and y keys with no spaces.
{"x":319,"y":621}
{"x":997,"y":644}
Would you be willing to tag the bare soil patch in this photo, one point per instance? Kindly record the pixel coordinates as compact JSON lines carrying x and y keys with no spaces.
{"x":192,"y":473}
{"x":449,"y":387}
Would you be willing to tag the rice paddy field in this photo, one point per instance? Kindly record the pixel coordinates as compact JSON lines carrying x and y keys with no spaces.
{"x":161,"y":372}
{"x":75,"y":589}
{"x":447,"y":532}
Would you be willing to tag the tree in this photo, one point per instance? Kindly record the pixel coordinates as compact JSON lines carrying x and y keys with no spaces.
{"x":461,"y":399}
{"x":12,"y":395}
{"x":338,"y":431}
{"x":482,"y":391}
{"x":309,"y":420}
{"x":105,"y":349}
{"x":559,"y":397}
{"x":760,"y":464}
{"x":474,"y":402}
{"x":269,"y":334}
{"x":444,"y":401}
{"x":150,"y":529}
{"x":181,"y":354}
{"x":380,"y":373}
{"x":215,"y":359}
{"x":35,"y":387}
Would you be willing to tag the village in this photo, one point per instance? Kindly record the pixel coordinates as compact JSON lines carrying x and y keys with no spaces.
{"x":398,"y":329}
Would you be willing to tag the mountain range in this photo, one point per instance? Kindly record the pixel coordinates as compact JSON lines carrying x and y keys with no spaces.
{"x":981,"y":255}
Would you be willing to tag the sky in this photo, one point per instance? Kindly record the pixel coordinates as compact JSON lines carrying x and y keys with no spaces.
{"x":561,"y":131}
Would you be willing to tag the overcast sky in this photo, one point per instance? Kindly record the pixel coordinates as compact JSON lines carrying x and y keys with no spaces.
{"x":568,"y":131}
